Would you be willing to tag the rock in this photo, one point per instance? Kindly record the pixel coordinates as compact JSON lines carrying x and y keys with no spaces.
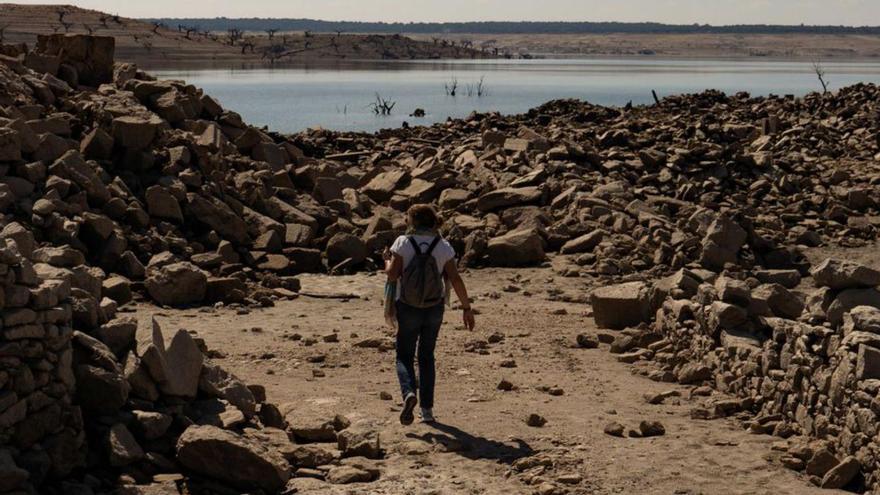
{"x":614,"y":429}
{"x":722,"y":243}
{"x":313,"y":455}
{"x":124,"y":449}
{"x":850,"y":299}
{"x":780,"y":300}
{"x":217,"y":382}
{"x":136,"y":133}
{"x":584,"y":243}
{"x":100,"y":391}
{"x":839,"y":275}
{"x":502,"y":198}
{"x":821,"y":463}
{"x":691,"y":373}
{"x":343,"y":246}
{"x":536,"y":420}
{"x":211,"y":452}
{"x":839,"y":476}
{"x":177,"y":284}
{"x":620,"y":306}
{"x":183,"y":361}
{"x":151,"y":425}
{"x":119,"y":335}
{"x":162,"y":204}
{"x":651,"y":429}
{"x":359,"y":440}
{"x":585,"y":341}
{"x":344,"y":475}
{"x":516,"y":248}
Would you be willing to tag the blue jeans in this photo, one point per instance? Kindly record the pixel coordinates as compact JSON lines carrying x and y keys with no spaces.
{"x":417,"y":328}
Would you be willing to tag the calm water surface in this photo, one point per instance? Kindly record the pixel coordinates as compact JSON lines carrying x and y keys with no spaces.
{"x":337,"y":96}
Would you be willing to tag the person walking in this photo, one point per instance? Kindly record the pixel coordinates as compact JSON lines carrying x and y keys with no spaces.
{"x":421,"y":269}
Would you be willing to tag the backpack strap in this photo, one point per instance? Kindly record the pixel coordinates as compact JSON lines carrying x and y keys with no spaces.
{"x":415,"y":245}
{"x":433,"y":245}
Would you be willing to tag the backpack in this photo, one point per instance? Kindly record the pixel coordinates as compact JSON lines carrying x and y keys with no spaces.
{"x":422,"y":284}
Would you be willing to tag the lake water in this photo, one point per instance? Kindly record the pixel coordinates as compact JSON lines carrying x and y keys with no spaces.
{"x":338,"y":96}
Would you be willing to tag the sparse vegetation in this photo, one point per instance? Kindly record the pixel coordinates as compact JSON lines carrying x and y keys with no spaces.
{"x":819,"y":70}
{"x":382,"y":106}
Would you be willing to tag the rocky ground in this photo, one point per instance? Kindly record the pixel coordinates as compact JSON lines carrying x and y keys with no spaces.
{"x":483,"y":444}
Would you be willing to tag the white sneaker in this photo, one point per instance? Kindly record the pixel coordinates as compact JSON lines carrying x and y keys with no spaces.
{"x":427,"y":416}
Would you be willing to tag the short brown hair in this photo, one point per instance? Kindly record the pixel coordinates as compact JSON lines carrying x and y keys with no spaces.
{"x":423,"y":216}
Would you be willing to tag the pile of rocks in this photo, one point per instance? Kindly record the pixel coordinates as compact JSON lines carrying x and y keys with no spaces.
{"x":167,"y":417}
{"x":805,"y":365}
{"x":153,"y":181}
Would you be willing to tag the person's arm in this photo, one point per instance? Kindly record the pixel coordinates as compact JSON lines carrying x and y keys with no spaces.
{"x":454,"y":278}
{"x":393,"y":265}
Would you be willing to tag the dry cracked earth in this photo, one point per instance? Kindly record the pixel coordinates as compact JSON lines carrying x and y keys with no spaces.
{"x":308,"y":351}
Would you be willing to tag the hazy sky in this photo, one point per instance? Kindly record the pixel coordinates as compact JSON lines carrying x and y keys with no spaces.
{"x":851,"y":12}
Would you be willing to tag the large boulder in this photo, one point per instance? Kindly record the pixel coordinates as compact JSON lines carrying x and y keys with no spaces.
{"x":225,"y":456}
{"x":177,"y":284}
{"x":722,"y":243}
{"x":343,"y":246}
{"x":511,"y":196}
{"x":584,"y":243}
{"x":840,"y":274}
{"x":620,"y":306}
{"x":516,"y":248}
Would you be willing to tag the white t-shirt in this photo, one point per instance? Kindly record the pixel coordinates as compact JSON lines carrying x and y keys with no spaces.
{"x":442,"y":253}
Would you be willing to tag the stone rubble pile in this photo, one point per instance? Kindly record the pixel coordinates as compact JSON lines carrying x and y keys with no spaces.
{"x":801,"y":364}
{"x":153,"y":181}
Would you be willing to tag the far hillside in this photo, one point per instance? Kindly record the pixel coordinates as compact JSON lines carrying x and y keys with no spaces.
{"x":155,"y":44}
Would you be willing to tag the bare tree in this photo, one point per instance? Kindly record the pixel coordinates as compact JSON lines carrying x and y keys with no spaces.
{"x":382,"y":106}
{"x":61,"y":14}
{"x":235,"y":35}
{"x":481,"y":88}
{"x":103,"y":20}
{"x":271,"y":33}
{"x":247,"y":45}
{"x":339,"y":32}
{"x":3,"y":32}
{"x":89,"y":29}
{"x":819,"y":70}
{"x":67,"y":26}
{"x":156,"y":27}
{"x":190,"y":30}
{"x":307,"y":34}
{"x":451,"y":87}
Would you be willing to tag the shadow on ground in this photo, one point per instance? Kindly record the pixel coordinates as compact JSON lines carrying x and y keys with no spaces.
{"x":473,"y":447}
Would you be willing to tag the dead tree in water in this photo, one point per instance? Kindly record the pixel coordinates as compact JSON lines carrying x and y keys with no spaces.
{"x":819,"y":70}
{"x":382,"y":106}
{"x":451,"y":87}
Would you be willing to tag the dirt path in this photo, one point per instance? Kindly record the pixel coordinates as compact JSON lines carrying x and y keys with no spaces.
{"x":483,"y":431}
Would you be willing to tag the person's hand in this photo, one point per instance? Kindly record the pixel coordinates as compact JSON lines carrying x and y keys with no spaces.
{"x":469,"y":322}
{"x":386,"y":254}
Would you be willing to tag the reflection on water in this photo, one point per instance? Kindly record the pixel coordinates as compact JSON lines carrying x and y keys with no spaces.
{"x":337,"y":95}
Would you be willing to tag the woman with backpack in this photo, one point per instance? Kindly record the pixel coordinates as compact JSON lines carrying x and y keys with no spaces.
{"x":421,"y":269}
